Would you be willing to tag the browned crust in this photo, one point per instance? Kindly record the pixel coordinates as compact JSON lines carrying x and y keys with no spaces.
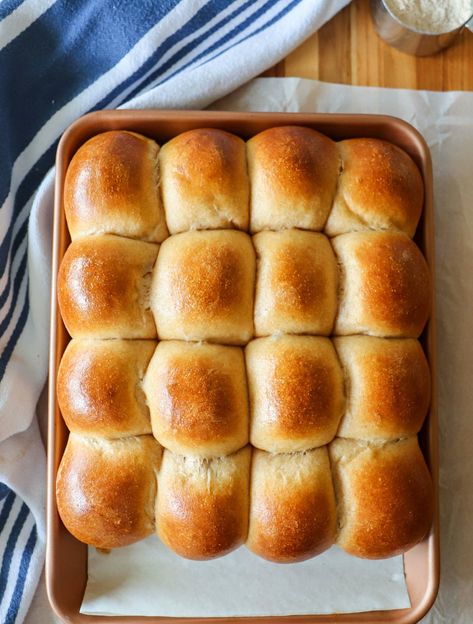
{"x":209,"y":279}
{"x":296,"y":392}
{"x":203,"y":287}
{"x":296,"y":283}
{"x":292,"y":508}
{"x":105,"y":490}
{"x":380,"y":187}
{"x":387,"y":496}
{"x":302,"y":393}
{"x":103,"y":286}
{"x":101,"y":295}
{"x":394,"y":294}
{"x":388,"y":383}
{"x":198,"y":398}
{"x":202,"y":505}
{"x":291,"y":165}
{"x":396,"y":289}
{"x":111,"y":186}
{"x":99,"y":387}
{"x":205,"y":181}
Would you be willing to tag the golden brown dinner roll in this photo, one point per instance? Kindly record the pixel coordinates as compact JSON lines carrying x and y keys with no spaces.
{"x":99,"y":387}
{"x":203,"y":287}
{"x":292,"y":505}
{"x":204,"y":181}
{"x":296,"y":392}
{"x":293,"y":175}
{"x":384,"y":493}
{"x":380,"y":188}
{"x":296,"y":283}
{"x":385,"y":287}
{"x":112,"y":186}
{"x":387,"y":384}
{"x":202,"y":504}
{"x":197,"y":397}
{"x":103,"y":288}
{"x":106,"y":489}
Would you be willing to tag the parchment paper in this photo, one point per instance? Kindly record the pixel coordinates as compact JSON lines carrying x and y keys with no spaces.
{"x":148,"y":579}
{"x":145,"y":578}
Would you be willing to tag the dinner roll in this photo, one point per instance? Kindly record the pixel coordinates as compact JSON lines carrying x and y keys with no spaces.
{"x":106,"y":489}
{"x":296,"y":392}
{"x":292,"y":505}
{"x":384,"y":494}
{"x":197,"y":397}
{"x":385,"y":287}
{"x":296,"y":283}
{"x":202,"y":504}
{"x":103,"y":288}
{"x":293,"y":175}
{"x":380,"y":188}
{"x":112,"y":186}
{"x":203,"y":287}
{"x":99,"y":387}
{"x":387,"y":384}
{"x":204,"y":181}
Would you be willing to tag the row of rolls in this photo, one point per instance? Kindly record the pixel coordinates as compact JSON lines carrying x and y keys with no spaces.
{"x":373,"y":499}
{"x":224,"y":287}
{"x":282,"y":393}
{"x":242,"y":260}
{"x":208,"y":179}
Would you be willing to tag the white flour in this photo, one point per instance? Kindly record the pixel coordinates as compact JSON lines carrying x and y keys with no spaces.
{"x":431,"y":16}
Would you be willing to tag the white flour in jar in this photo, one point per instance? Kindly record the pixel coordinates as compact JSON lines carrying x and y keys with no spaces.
{"x":431,"y":16}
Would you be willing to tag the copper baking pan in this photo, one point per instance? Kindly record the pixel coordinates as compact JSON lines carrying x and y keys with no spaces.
{"x":66,"y":560}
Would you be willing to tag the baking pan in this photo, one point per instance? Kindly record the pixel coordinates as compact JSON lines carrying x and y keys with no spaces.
{"x":66,"y":558}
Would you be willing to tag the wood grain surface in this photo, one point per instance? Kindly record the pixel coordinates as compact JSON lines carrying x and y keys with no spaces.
{"x":348,"y":50}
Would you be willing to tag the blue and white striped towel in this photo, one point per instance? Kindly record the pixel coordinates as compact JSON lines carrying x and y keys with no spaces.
{"x":58,"y":60}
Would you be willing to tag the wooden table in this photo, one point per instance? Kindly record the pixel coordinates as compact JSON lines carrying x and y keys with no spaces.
{"x":348,"y":50}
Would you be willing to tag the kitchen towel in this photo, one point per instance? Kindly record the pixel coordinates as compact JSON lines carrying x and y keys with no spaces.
{"x":58,"y":60}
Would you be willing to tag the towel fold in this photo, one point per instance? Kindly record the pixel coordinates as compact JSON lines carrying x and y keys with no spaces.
{"x":59,"y":60}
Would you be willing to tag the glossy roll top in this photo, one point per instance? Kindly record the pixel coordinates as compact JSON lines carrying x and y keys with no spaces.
{"x":112,"y":187}
{"x":293,"y":175}
{"x":292,"y":509}
{"x":197,"y":397}
{"x":296,"y":392}
{"x":103,"y":288}
{"x":99,"y":387}
{"x":387,"y":384}
{"x":203,"y":287}
{"x":296,"y":283}
{"x":202,"y":504}
{"x":385,"y":287}
{"x":379,"y":188}
{"x":385,"y":496}
{"x":374,"y":499}
{"x":122,"y":183}
{"x":204,"y":181}
{"x":106,"y":489}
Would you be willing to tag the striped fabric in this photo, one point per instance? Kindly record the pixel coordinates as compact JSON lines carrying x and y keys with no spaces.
{"x":58,"y":60}
{"x":18,"y":534}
